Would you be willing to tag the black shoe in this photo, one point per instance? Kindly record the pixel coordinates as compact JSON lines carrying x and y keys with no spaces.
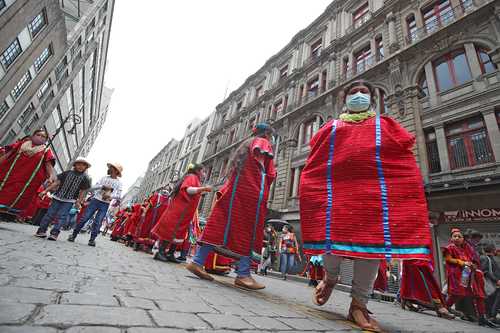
{"x":172,"y":258}
{"x":137,"y":246}
{"x":160,"y":256}
{"x":482,"y":321}
{"x":182,"y":258}
{"x":71,"y":238}
{"x":92,"y":242}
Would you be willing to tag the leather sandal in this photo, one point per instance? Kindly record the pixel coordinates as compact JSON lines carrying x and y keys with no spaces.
{"x":371,"y":324}
{"x":323,"y":291}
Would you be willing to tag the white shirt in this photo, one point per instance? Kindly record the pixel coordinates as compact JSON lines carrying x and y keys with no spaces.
{"x":107,"y":181}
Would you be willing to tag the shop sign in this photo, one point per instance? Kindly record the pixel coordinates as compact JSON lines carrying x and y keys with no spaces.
{"x":472,"y":215}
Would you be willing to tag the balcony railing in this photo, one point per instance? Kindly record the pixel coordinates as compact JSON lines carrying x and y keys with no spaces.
{"x":441,"y":21}
{"x":363,"y":66}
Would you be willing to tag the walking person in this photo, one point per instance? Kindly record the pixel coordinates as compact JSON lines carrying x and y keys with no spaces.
{"x":172,"y":227}
{"x":288,"y":250}
{"x":362,"y":197}
{"x":463,"y":275}
{"x":24,"y":166}
{"x":72,"y":185}
{"x":491,"y":271}
{"x":419,"y":288}
{"x":235,"y":227}
{"x":107,"y":189}
{"x":42,"y":204}
{"x":268,"y":249}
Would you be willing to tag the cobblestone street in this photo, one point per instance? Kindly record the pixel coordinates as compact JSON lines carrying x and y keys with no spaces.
{"x":63,"y":287}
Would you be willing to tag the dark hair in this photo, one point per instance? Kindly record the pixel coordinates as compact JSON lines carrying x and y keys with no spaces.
{"x":356,"y":83}
{"x":489,"y":246}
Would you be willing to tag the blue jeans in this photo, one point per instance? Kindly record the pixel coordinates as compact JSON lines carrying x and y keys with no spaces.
{"x":203,"y":251}
{"x":94,"y":206}
{"x":287,"y":261}
{"x":58,"y":211}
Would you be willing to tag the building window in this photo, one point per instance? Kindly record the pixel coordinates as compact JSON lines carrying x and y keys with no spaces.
{"x":2,"y":4}
{"x":239,"y":106}
{"x":363,"y":59}
{"x":284,"y":72}
{"x":411,"y":26}
{"x":251,"y":123}
{"x":277,"y":109}
{"x":468,"y":143}
{"x":301,"y":94}
{"x":313,"y":88}
{"x":379,"y":45}
{"x":316,"y":49}
{"x":21,"y":85}
{"x":60,"y":67}
{"x":345,"y":68}
{"x":487,"y":66}
{"x":452,"y":70}
{"x":259,"y":91}
{"x":216,"y":143}
{"x":4,"y":107}
{"x":324,"y":76}
{"x":308,"y":131}
{"x":25,"y":115}
{"x":290,"y":184}
{"x":31,"y":124}
{"x":9,"y":138}
{"x":466,"y":4}
{"x":42,"y":58}
{"x":11,"y":53}
{"x":432,"y":152}
{"x":43,"y":88}
{"x":437,"y":15}
{"x":422,"y":83}
{"x":360,"y":16}
{"x":38,"y":22}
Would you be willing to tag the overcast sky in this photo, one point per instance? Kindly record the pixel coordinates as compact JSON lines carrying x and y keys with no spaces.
{"x":171,"y":61}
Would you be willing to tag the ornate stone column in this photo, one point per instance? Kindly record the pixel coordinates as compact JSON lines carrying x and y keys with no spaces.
{"x":444,"y":159}
{"x":391,"y":23}
{"x":493,"y":131}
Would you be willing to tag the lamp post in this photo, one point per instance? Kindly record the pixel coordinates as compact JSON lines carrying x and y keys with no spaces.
{"x":75,"y":118}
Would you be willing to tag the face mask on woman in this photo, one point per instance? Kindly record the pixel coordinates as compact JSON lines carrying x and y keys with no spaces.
{"x":358,"y":102}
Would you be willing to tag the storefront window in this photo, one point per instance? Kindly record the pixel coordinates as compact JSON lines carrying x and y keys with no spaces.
{"x":468,"y":143}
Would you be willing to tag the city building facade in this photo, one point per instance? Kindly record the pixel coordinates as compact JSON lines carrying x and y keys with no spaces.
{"x":172,"y":161}
{"x":132,"y":195}
{"x":434,"y":64}
{"x":52,"y":65}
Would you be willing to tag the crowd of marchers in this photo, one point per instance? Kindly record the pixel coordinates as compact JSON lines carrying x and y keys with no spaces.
{"x":361,"y":198}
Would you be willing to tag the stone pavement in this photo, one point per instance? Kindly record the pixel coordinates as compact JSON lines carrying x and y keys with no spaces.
{"x":71,"y":287}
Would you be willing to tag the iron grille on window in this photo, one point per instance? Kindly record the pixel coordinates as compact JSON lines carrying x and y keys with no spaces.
{"x":42,"y":58}
{"x":37,"y":23}
{"x":21,"y":85}
{"x":11,"y":53}
{"x":433,"y":157}
{"x":470,"y":146}
{"x":4,"y":107}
